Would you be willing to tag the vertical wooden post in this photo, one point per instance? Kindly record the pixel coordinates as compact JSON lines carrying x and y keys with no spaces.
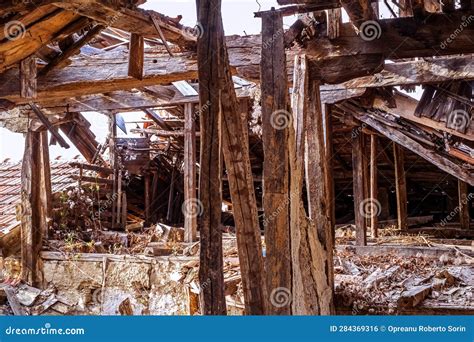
{"x":136,"y":56}
{"x":375,"y":204}
{"x":28,"y":73}
{"x":147,"y":199}
{"x":401,"y":186}
{"x":31,"y":234}
{"x":190,"y":217}
{"x":334,"y":22}
{"x":313,"y":278}
{"x":358,"y":182}
{"x":464,"y":218}
{"x":211,"y":274}
{"x":113,"y":162}
{"x":329,"y":168}
{"x":276,"y":195}
{"x":46,"y":203}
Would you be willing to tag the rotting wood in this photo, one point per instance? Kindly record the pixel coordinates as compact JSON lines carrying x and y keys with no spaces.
{"x":45,"y":185}
{"x":375,"y":204}
{"x":414,"y":296}
{"x":276,"y":193}
{"x":31,"y":234}
{"x":136,"y":56}
{"x":358,"y":186}
{"x":464,"y":197}
{"x":311,"y":239}
{"x":401,"y":186}
{"x":28,"y":74}
{"x":190,"y":218}
{"x":211,"y":274}
{"x":53,"y":130}
{"x":75,"y":48}
{"x":410,"y":144}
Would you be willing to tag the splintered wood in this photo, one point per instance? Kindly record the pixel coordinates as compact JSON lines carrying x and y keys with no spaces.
{"x":390,"y":284}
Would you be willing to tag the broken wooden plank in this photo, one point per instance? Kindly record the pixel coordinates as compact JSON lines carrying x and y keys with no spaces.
{"x":17,"y":308}
{"x":414,"y":296}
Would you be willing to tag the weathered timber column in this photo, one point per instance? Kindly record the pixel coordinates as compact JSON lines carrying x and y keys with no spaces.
{"x":375,"y":204}
{"x":46,"y":202}
{"x":31,"y":215}
{"x":358,"y":182}
{"x":136,"y":56}
{"x":464,"y":197}
{"x":211,"y":274}
{"x":190,"y":216}
{"x":235,"y":142}
{"x":276,"y":195}
{"x":329,"y":168}
{"x":311,"y":239}
{"x":401,"y":186}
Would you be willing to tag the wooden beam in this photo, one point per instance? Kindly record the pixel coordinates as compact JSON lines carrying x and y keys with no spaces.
{"x":24,"y":41}
{"x":119,"y":14}
{"x":410,"y":144}
{"x":464,"y":197}
{"x":358,"y":186}
{"x":375,"y":204}
{"x":405,"y":108}
{"x":28,"y":78}
{"x":53,"y":130}
{"x":136,"y":56}
{"x":408,"y":35}
{"x":236,"y":153}
{"x":190,"y":218}
{"x":401,"y":186}
{"x":75,"y":48}
{"x":31,"y":233}
{"x":429,"y":70}
{"x":276,"y":193}
{"x":156,"y":23}
{"x":211,"y":274}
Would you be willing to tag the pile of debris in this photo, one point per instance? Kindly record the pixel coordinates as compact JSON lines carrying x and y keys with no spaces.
{"x":389,"y":284}
{"x":24,"y":300}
